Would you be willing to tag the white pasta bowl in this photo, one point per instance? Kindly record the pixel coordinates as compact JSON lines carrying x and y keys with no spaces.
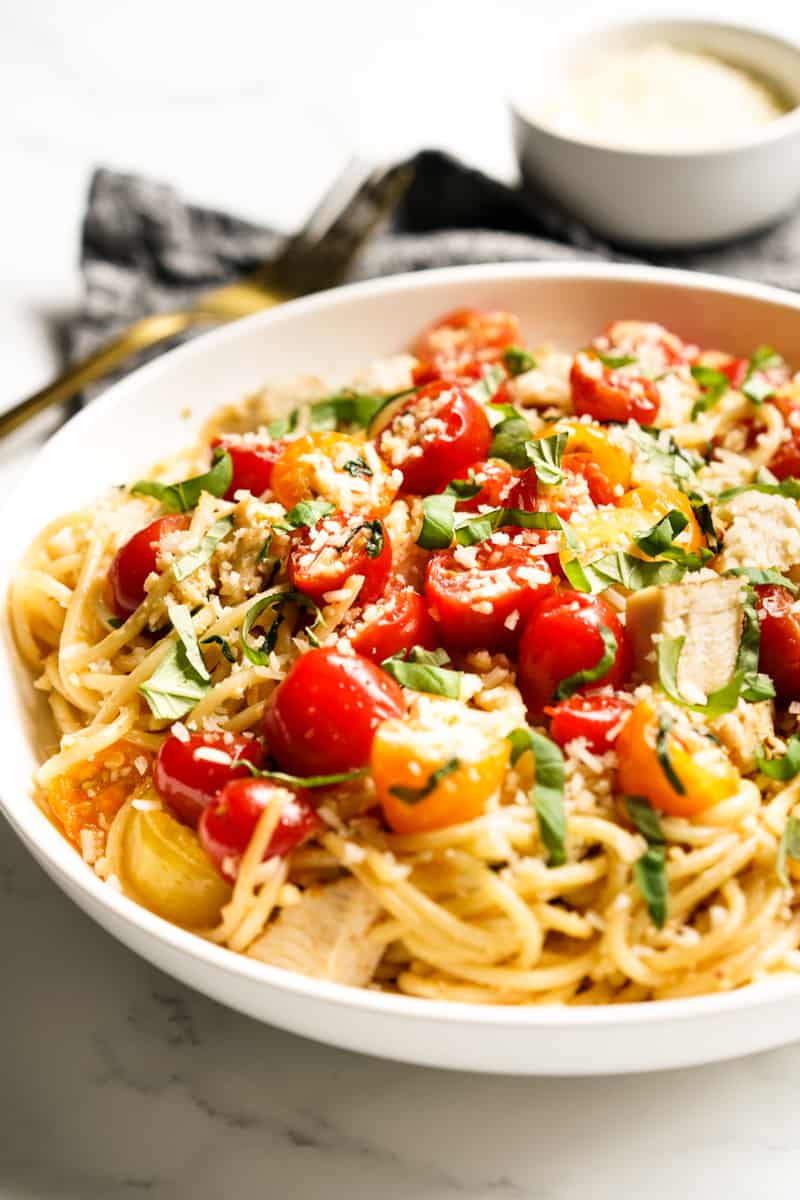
{"x":143,"y":418}
{"x":665,"y":198}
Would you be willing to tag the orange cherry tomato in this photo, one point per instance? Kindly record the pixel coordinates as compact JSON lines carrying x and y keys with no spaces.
{"x":703,"y":771}
{"x":90,"y":794}
{"x":586,"y":443}
{"x":330,"y":466}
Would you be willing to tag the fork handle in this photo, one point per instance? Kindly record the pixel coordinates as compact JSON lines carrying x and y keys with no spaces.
{"x":143,"y":333}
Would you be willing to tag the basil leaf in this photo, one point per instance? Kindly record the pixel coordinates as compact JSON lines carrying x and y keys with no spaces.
{"x":517,"y":361}
{"x":469,"y":530}
{"x":510,"y":442}
{"x":488,"y":385}
{"x":437,"y":522}
{"x":280,"y":426}
{"x":646,"y":819}
{"x":790,"y":488}
{"x":784,"y":768}
{"x":613,"y":361}
{"x":664,"y":453}
{"x":357,"y":467}
{"x":181,"y":678}
{"x":714,"y":385}
{"x":224,"y":646}
{"x":660,"y":536}
{"x":307,"y":512}
{"x":567,"y":687}
{"x":705,"y":519}
{"x":650,"y":874}
{"x":665,"y":723}
{"x":411,"y":795}
{"x":756,"y":389}
{"x":497,"y":412}
{"x":545,"y":457}
{"x":789,"y":847}
{"x":302,"y":781}
{"x":181,"y":497}
{"x":422,"y":671}
{"x":345,"y":408}
{"x":722,"y":701}
{"x":464,"y":489}
{"x":200,"y":554}
{"x":547,"y":794}
{"x":259,"y":656}
{"x":623,"y":569}
{"x":263,"y":553}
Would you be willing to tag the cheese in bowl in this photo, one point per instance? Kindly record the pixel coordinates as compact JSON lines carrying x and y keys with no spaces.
{"x":473,"y":677}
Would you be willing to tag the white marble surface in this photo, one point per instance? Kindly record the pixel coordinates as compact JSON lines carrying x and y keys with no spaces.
{"x":115,"y":1081}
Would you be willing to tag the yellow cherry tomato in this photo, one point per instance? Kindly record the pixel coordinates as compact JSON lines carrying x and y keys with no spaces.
{"x":166,"y":866}
{"x":330,"y":466}
{"x":613,"y":461}
{"x":423,"y":783}
{"x":660,"y":500}
{"x":704,"y":772}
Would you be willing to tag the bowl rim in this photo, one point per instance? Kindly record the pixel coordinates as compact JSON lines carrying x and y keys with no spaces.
{"x":774,"y":131}
{"x":47,"y":844}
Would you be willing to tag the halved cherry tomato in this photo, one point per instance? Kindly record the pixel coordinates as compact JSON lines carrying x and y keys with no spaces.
{"x":785,"y":462}
{"x":394,"y":624}
{"x":331,"y":466}
{"x":479,"y":596}
{"x":735,"y":370}
{"x":434,"y":436}
{"x":423,"y":785}
{"x":134,"y":561}
{"x":252,"y":461}
{"x":189,"y":772}
{"x":164,"y":863}
{"x":563,"y":637}
{"x":657,"y":345}
{"x":608,"y":394}
{"x":601,"y":489}
{"x":656,"y":501}
{"x":323,"y":715}
{"x":461,"y":339}
{"x":90,"y":794}
{"x":704,"y":772}
{"x":496,"y":479}
{"x":229,"y":821}
{"x":324,"y":557}
{"x":779,"y":653}
{"x":597,"y":719}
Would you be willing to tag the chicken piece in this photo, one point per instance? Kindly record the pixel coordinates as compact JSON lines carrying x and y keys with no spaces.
{"x":707,"y":614}
{"x":761,"y":531}
{"x":324,"y":935}
{"x":743,"y":730}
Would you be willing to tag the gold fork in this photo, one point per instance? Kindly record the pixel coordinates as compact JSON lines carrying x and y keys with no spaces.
{"x":312,"y":259}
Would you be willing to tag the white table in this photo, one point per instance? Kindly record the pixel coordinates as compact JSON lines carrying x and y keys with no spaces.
{"x":116,"y":1081}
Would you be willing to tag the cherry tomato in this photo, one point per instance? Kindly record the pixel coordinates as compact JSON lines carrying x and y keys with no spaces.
{"x":134,"y":561}
{"x":434,"y":436}
{"x":785,"y":462}
{"x":735,"y":370}
{"x":89,"y":795}
{"x":496,"y":479}
{"x":451,"y":348}
{"x":189,"y":773}
{"x":396,"y":623}
{"x":608,"y":394}
{"x":597,"y":719}
{"x":779,"y":655}
{"x":563,"y":637}
{"x":323,"y":715}
{"x":601,"y":489}
{"x":324,"y":557}
{"x":252,"y":461}
{"x":331,"y":466}
{"x":229,"y":821}
{"x":653,"y":343}
{"x":480,"y":596}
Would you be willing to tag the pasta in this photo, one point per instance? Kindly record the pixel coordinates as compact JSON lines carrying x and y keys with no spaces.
{"x":474,"y":680}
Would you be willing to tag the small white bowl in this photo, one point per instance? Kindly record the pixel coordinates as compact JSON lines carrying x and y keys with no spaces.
{"x":668,"y":198}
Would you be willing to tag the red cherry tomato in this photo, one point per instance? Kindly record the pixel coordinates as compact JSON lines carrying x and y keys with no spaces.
{"x":252,"y":462}
{"x":189,"y":773}
{"x":736,"y":371}
{"x":453,"y":346}
{"x":229,"y":821}
{"x":561,"y":638}
{"x":434,"y":436}
{"x":580,"y":462}
{"x":597,"y":719}
{"x":785,"y":462}
{"x":323,"y":715}
{"x":324,"y":557}
{"x":134,"y":561}
{"x":480,"y":596}
{"x":496,"y":479}
{"x":655,"y":344}
{"x":396,"y":623}
{"x":779,"y":654}
{"x":608,"y":394}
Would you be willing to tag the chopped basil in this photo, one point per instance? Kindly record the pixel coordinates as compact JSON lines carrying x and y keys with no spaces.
{"x":498,"y":412}
{"x":511,"y":440}
{"x":658,"y":540}
{"x":789,"y":847}
{"x":650,"y":871}
{"x":357,"y":467}
{"x":469,"y":530}
{"x":488,"y":385}
{"x":280,"y":426}
{"x":345,"y":408}
{"x":623,"y":569}
{"x":200,"y":554}
{"x":664,"y":453}
{"x":713,"y":383}
{"x":517,"y":361}
{"x":181,"y":678}
{"x":224,"y":646}
{"x":410,"y":795}
{"x":567,"y":687}
{"x":302,"y":781}
{"x":181,"y":497}
{"x":260,"y":655}
{"x":115,"y":622}
{"x":665,"y":723}
{"x":437,"y":522}
{"x":614,"y":361}
{"x":790,"y":488}
{"x":547,"y":795}
{"x":545,"y":457}
{"x":464,"y":489}
{"x":263,"y":553}
{"x":768,"y":575}
{"x":705,"y":519}
{"x":424,"y":671}
{"x":755,"y":387}
{"x":307,"y":512}
{"x":784,"y":768}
